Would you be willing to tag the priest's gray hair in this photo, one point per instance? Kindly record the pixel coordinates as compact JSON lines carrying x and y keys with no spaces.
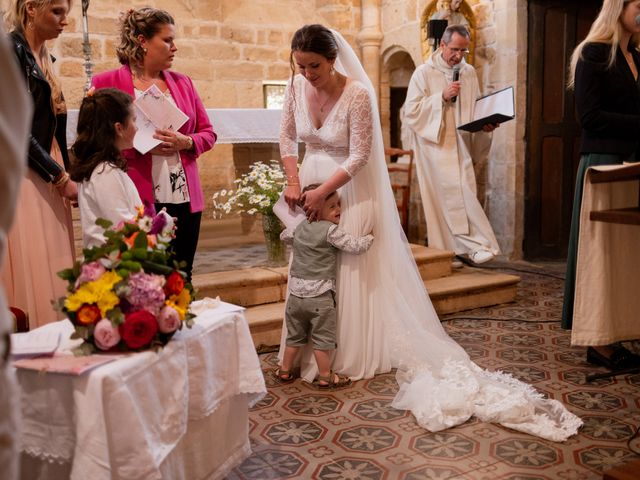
{"x":451,"y":29}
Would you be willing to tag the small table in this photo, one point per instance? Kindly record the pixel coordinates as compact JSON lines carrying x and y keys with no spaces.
{"x":179,"y":413}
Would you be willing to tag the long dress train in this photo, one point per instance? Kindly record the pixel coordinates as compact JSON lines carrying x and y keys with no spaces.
{"x":385,"y":317}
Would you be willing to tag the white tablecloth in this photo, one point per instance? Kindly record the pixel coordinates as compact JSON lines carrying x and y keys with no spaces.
{"x":232,"y":125}
{"x":606,"y":301}
{"x":148,"y":415}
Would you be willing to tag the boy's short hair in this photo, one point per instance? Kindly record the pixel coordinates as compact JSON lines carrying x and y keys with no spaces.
{"x":313,"y":186}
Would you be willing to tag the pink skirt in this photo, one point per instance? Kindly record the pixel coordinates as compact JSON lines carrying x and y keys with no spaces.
{"x":39,"y":245}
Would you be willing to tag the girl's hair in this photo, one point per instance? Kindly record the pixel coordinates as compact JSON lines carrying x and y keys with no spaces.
{"x":605,"y":29}
{"x":145,"y":21}
{"x":96,"y":141}
{"x":16,"y":18}
{"x":314,"y":38}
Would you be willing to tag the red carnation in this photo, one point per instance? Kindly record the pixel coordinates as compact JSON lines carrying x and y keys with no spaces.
{"x":174,"y":284}
{"x":138,"y":329}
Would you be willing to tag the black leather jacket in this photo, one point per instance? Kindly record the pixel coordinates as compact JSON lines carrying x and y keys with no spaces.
{"x":46,"y":124}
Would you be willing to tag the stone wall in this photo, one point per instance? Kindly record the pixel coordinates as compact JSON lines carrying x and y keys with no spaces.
{"x":228,"y":48}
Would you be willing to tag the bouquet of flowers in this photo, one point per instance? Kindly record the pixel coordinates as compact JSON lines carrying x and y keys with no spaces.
{"x":126,"y":294}
{"x":256,"y":191}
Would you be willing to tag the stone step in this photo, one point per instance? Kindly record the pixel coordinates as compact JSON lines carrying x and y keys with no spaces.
{"x":247,"y":287}
{"x":470,"y":288}
{"x":259,"y":285}
{"x":465,"y":289}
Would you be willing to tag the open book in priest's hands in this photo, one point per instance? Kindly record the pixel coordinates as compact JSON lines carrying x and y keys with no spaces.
{"x":154,"y":112}
{"x":497,"y":107}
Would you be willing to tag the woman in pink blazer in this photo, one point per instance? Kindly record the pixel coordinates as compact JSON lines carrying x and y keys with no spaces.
{"x":167,"y":176}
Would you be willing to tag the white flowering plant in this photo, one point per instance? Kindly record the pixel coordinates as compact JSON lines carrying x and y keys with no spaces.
{"x":256,"y":191}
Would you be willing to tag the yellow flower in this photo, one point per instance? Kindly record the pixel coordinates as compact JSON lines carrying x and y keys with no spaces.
{"x":180,"y":302}
{"x":99,"y":292}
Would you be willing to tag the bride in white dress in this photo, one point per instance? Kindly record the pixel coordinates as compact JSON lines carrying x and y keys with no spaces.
{"x":385,"y":317}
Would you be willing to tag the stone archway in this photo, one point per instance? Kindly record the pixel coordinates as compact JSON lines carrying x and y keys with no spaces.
{"x":397,"y":68}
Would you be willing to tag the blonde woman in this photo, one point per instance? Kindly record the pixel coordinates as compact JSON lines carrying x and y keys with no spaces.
{"x":604,"y":73}
{"x":41,"y":241}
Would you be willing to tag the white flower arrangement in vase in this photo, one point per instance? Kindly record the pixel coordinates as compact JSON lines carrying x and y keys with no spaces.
{"x":257,"y":191}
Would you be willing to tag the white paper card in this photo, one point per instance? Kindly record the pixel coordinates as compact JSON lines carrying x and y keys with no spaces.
{"x":155,"y":112}
{"x":34,"y":343}
{"x":290,"y":219}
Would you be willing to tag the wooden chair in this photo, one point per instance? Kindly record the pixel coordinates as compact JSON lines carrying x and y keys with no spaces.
{"x":401,"y":190}
{"x":20,"y":320}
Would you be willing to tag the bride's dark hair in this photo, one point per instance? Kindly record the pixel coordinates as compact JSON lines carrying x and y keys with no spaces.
{"x":314,"y":38}
{"x":96,"y":141}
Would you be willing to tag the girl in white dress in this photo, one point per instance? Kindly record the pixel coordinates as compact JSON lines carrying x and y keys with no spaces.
{"x":106,"y":126}
{"x":385,"y":317}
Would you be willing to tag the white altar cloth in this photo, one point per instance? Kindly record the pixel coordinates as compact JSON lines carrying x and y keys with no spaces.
{"x":178,"y":413}
{"x":232,"y":125}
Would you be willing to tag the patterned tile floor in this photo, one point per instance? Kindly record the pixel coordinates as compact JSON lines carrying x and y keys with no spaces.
{"x":353,"y":433}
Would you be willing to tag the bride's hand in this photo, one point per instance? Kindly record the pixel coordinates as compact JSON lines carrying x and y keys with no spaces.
{"x":292,"y":196}
{"x":312,"y":202}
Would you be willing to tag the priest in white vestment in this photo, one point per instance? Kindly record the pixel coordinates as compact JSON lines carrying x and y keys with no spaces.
{"x":435,"y":106}
{"x":15,"y":121}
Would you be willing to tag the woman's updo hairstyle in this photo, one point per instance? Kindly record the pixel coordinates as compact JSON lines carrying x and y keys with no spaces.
{"x":316,"y":39}
{"x":145,"y":21}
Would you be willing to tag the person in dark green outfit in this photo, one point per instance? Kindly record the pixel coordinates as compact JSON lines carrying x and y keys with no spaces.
{"x":310,"y":312}
{"x":604,"y":73}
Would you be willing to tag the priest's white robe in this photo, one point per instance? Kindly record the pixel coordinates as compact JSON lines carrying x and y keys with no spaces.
{"x":444,"y":157}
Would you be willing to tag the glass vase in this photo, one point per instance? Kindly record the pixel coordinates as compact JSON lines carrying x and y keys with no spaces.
{"x":276,"y":249}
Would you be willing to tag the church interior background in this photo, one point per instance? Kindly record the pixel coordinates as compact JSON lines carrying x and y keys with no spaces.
{"x":237,"y":53}
{"x":232,"y":49}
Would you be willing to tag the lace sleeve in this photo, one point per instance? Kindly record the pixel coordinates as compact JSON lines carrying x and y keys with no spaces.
{"x":347,"y":242}
{"x":360,"y":132}
{"x":288,"y":133}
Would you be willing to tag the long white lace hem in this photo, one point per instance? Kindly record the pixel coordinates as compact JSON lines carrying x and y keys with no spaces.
{"x":462,"y":390}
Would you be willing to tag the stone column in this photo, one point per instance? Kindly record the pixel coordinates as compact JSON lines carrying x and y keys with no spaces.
{"x":370,"y":38}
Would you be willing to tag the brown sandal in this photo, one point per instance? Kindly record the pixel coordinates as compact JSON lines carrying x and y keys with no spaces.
{"x":286,"y":376}
{"x":334,"y":380}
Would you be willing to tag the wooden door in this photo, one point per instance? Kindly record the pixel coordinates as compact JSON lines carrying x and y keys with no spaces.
{"x":553,"y":134}
{"x":397,"y":97}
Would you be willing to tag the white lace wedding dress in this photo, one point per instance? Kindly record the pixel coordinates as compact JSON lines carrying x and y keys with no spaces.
{"x":385,"y":317}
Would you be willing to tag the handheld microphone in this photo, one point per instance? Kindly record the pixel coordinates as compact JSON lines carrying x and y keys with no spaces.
{"x":638,"y":20}
{"x":456,"y":77}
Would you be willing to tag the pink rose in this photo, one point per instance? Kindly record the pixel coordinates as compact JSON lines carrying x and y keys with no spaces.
{"x":90,"y":272}
{"x":105,"y":335}
{"x":168,"y":319}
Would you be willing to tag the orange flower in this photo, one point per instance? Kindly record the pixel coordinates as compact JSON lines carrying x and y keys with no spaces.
{"x":88,"y":314}
{"x":130,"y":239}
{"x":151,"y":240}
